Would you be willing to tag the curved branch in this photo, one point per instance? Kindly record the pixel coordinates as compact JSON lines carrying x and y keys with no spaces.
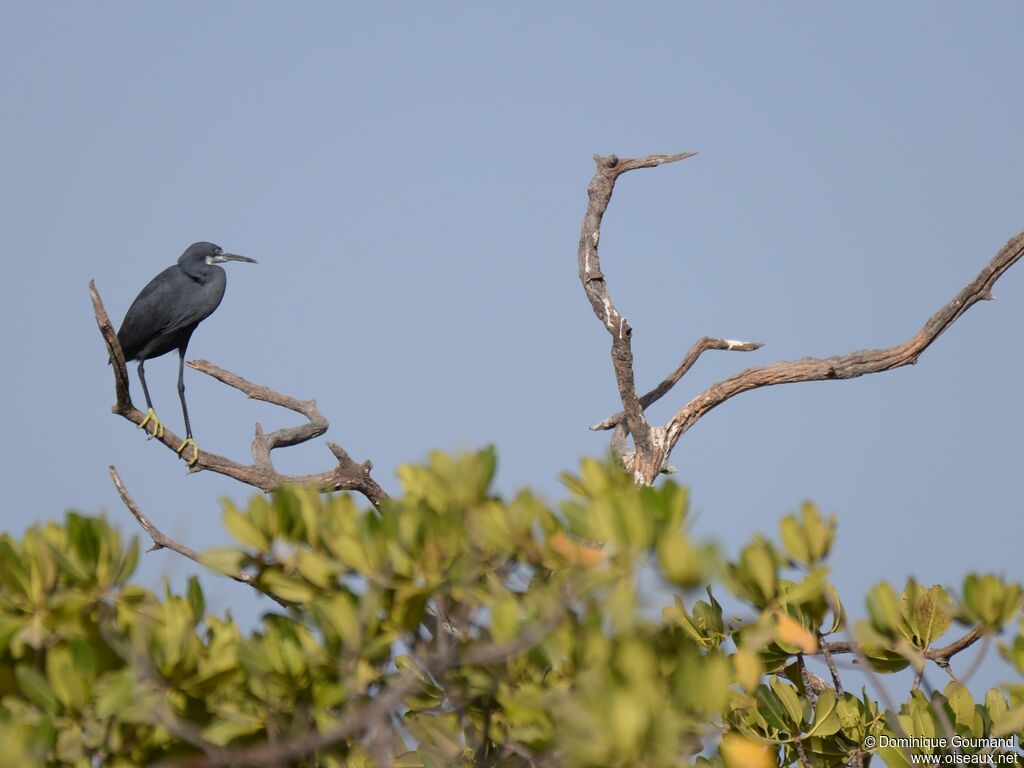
{"x":652,"y":445}
{"x":853,"y":364}
{"x":940,"y":656}
{"x":162,"y":541}
{"x":699,"y":347}
{"x":346,"y":476}
{"x":262,"y":445}
{"x":599,"y":194}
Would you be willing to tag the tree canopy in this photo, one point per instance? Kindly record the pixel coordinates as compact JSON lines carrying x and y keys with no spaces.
{"x":453,"y":627}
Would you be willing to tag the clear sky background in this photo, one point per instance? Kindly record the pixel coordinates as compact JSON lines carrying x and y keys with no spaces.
{"x":412,"y":177}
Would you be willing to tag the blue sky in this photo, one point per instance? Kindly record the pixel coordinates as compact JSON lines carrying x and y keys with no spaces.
{"x":411,"y":178}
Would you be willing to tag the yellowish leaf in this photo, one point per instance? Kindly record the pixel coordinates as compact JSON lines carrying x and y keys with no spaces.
{"x":748,"y":669}
{"x":789,"y":631}
{"x":741,"y":752}
{"x":576,"y":552}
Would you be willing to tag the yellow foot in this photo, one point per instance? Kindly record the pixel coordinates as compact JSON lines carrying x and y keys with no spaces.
{"x":157,"y":425}
{"x":195,"y":451}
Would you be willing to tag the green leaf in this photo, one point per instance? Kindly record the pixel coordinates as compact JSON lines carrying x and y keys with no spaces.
{"x":66,"y":677}
{"x":115,"y":693}
{"x":756,"y":573}
{"x":807,"y":590}
{"x":226,"y":560}
{"x":285,"y":587}
{"x":12,"y":571}
{"x":1009,"y":722}
{"x":505,"y":617}
{"x":223,"y":731}
{"x":961,"y":702}
{"x":316,"y":568}
{"x":884,"y":608}
{"x":339,"y":612}
{"x":676,"y":615}
{"x":244,"y":530}
{"x":929,"y":612}
{"x":826,"y":715}
{"x":35,"y":688}
{"x":196,"y":601}
{"x":878,"y":648}
{"x":9,"y":626}
{"x":794,"y":540}
{"x":680,"y":560}
{"x":995,"y":703}
{"x":807,"y":540}
{"x":772,"y":710}
{"x":989,"y":600}
{"x":790,"y":701}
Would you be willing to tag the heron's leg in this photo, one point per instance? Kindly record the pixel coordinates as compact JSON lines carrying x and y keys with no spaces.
{"x":184,"y":410}
{"x":151,"y":417}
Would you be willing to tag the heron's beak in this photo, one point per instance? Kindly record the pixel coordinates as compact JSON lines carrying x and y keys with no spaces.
{"x":224,"y":256}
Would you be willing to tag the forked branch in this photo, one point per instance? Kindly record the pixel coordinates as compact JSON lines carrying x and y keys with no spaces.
{"x":701,"y":346}
{"x":652,"y":446}
{"x":599,"y":194}
{"x":347,"y":475}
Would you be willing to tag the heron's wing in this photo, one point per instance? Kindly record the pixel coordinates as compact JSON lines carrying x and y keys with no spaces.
{"x":184,"y":314}
{"x":168,"y":305}
{"x":149,"y":314}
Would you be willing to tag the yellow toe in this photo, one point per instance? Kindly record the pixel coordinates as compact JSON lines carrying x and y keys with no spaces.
{"x":195,"y":451}
{"x":156,"y":426}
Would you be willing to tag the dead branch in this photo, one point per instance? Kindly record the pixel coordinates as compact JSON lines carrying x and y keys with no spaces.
{"x":162,"y":541}
{"x":346,"y":476}
{"x":653,"y":445}
{"x":854,"y":364}
{"x":647,"y":447}
{"x":701,"y":346}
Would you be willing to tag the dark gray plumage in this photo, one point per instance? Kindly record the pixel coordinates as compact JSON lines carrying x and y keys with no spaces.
{"x":167,"y":311}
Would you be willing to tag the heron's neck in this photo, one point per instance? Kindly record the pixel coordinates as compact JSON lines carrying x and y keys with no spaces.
{"x":200,"y":271}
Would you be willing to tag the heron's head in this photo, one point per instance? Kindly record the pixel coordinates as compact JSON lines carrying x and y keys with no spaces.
{"x":209,"y":253}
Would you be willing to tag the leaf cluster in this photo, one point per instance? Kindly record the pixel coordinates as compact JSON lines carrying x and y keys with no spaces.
{"x":452,"y":627}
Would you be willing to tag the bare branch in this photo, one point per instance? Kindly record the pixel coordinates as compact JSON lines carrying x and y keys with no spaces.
{"x":653,"y":445}
{"x":599,"y":194}
{"x":701,"y":346}
{"x":939,"y":655}
{"x":346,"y":476}
{"x":853,"y":364}
{"x":802,"y":758}
{"x":123,"y":404}
{"x":947,"y":652}
{"x":161,"y":541}
{"x":978,"y":660}
{"x":831,"y":664}
{"x":281,"y":438}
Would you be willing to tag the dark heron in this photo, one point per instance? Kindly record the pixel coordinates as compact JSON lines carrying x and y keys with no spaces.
{"x":166,"y":313}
